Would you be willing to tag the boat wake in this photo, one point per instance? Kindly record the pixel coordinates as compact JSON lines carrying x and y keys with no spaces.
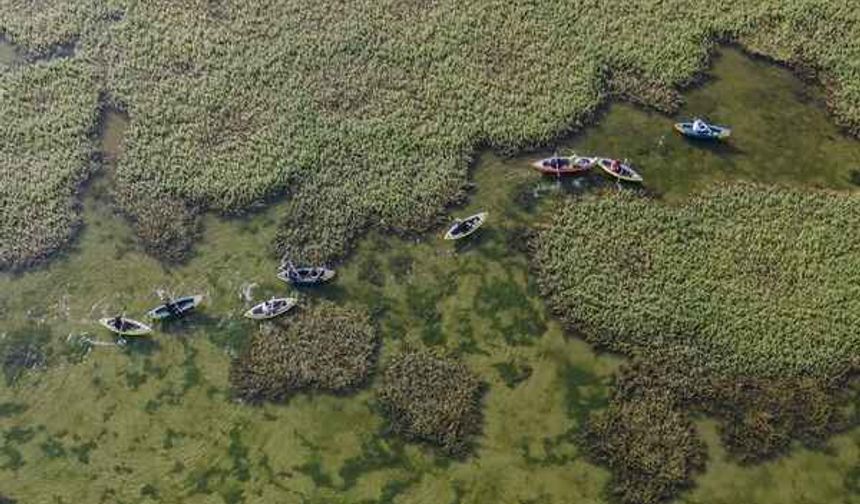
{"x":247,"y":291}
{"x":90,"y":342}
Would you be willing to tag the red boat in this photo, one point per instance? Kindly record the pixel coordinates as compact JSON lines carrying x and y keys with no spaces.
{"x":558,"y":165}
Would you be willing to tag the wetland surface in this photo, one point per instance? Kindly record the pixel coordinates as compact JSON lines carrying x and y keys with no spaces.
{"x":153,"y":421}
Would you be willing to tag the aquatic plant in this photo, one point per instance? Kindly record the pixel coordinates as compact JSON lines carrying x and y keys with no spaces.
{"x":429,"y":398}
{"x":373,"y":123}
{"x":48,"y":110}
{"x":738,"y":303}
{"x":650,"y":445}
{"x":23,"y":349}
{"x":325,"y":347}
{"x":743,"y":280}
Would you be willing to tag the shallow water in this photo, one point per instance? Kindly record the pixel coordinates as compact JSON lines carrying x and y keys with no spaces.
{"x":9,"y":54}
{"x":153,"y":422}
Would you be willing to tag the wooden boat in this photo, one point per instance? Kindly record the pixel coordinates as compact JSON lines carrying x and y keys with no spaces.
{"x":569,"y":165}
{"x":465,"y":227}
{"x":125,"y":326}
{"x":619,"y":170}
{"x":175,"y":307}
{"x":706,"y":132}
{"x":271,"y":308}
{"x":306,"y":276}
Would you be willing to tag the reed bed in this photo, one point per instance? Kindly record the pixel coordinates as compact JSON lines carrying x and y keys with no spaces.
{"x":740,"y":303}
{"x":324,"y":348}
{"x":48,"y":110}
{"x":743,"y":280}
{"x":432,"y":399}
{"x":366,"y":113}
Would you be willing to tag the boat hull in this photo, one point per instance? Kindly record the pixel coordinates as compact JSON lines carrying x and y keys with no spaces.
{"x":626,"y":174}
{"x":183,"y":305}
{"x":453,"y":235}
{"x":714,"y":132}
{"x":257,"y":313}
{"x":573,"y":166}
{"x":136,"y":329}
{"x":326,"y":276}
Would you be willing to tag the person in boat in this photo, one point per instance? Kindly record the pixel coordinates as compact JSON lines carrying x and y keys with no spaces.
{"x":172,"y":307}
{"x":615,"y":166}
{"x":116,"y":322}
{"x":699,"y":126}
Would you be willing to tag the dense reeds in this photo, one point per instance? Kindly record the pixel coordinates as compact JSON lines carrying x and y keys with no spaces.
{"x":740,"y":303}
{"x":366,"y":113}
{"x":432,"y":399}
{"x":323,"y":348}
{"x":743,"y":280}
{"x":48,"y":110}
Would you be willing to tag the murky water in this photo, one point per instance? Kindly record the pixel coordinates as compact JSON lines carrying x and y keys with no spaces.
{"x":153,"y":422}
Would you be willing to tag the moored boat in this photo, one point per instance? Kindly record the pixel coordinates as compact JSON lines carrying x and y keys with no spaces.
{"x":125,"y":326}
{"x":271,"y":308}
{"x":465,"y":227}
{"x":701,"y":130}
{"x":175,"y":307}
{"x":305,"y":275}
{"x":564,"y":165}
{"x":619,"y":170}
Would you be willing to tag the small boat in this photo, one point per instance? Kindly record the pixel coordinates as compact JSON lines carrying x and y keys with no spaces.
{"x":305,"y":276}
{"x":271,"y":308}
{"x":175,"y":307}
{"x":701,"y":130}
{"x":619,"y":170}
{"x":125,"y":326}
{"x":570,"y":165}
{"x":465,"y":227}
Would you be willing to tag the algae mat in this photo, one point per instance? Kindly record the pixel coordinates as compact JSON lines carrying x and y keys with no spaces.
{"x":154,"y":422}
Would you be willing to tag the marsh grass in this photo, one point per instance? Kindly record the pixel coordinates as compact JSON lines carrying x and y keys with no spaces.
{"x":740,"y":280}
{"x":323,"y":348}
{"x":738,"y":303}
{"x":367,"y":124}
{"x":432,"y":399}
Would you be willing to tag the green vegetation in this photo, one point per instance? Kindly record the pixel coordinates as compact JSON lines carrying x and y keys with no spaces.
{"x":432,"y":399}
{"x":324,"y":347}
{"x":48,"y":110}
{"x":743,"y":280}
{"x":363,"y":124}
{"x":738,"y":303}
{"x":649,"y":443}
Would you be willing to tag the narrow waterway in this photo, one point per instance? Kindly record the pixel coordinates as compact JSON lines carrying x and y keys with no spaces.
{"x":153,"y":421}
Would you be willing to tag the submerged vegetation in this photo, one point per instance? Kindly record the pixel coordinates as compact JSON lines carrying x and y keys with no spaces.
{"x":323,"y":348}
{"x":371,"y":123}
{"x":429,"y":398}
{"x":737,"y":303}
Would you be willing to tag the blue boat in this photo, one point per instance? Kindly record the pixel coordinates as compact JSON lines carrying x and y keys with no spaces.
{"x":701,"y":130}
